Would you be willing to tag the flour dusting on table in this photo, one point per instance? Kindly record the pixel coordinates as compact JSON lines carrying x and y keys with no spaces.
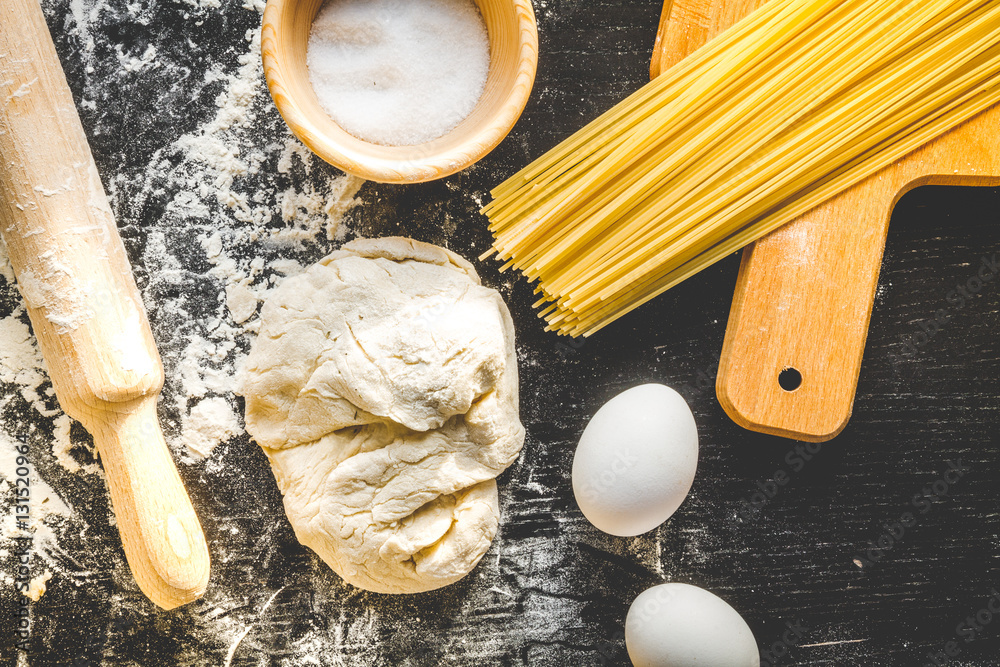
{"x":249,"y":243}
{"x":217,"y":204}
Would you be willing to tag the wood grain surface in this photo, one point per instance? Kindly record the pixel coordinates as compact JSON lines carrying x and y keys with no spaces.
{"x":552,"y":591}
{"x":805,"y":292}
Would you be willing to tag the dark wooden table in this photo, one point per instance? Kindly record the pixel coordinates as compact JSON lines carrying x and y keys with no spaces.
{"x":823,"y":553}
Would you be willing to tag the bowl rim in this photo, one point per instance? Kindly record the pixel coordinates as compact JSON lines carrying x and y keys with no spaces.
{"x":435,"y":165}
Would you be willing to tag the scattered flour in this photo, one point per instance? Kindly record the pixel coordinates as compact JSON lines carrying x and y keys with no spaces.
{"x":22,"y":366}
{"x":45,"y":502}
{"x":84,"y":13}
{"x":258,"y":215}
{"x":6,"y":271}
{"x":37,"y":586}
{"x":203,"y":4}
{"x":63,"y":444}
{"x":132,"y":63}
{"x":211,"y":421}
{"x":20,"y":362}
{"x":309,"y":212}
{"x":50,"y":516}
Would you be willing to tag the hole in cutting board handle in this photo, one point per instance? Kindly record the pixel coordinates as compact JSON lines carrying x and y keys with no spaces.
{"x":790,"y":379}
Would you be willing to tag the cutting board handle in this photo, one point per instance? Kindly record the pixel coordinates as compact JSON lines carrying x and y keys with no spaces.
{"x":799,"y":321}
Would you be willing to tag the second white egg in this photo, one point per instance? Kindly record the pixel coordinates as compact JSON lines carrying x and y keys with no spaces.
{"x":679,"y":625}
{"x":636,"y":460}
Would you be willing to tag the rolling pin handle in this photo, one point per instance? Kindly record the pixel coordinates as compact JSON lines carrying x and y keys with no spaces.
{"x":163,"y":540}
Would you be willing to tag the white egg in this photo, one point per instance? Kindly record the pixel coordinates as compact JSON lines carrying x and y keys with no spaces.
{"x":636,"y":460}
{"x":678,"y":625}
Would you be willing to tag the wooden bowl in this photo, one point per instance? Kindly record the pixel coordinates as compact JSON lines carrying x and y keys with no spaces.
{"x":513,"y":58}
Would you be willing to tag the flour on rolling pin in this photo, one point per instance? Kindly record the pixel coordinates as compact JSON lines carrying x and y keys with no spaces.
{"x":128,"y":343}
{"x":64,"y":306}
{"x":66,"y":299}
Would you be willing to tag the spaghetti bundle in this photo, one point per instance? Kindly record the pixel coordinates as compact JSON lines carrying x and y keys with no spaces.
{"x":791,"y":106}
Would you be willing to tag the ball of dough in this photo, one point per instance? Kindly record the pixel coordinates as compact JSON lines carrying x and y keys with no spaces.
{"x":383,"y":388}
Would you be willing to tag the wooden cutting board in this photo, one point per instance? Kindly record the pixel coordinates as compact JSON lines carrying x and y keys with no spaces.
{"x":804,"y":293}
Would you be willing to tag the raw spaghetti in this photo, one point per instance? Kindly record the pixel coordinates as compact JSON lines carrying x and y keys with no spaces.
{"x":791,"y":106}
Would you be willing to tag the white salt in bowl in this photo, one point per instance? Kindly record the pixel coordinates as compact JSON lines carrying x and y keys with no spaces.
{"x":513,"y":59}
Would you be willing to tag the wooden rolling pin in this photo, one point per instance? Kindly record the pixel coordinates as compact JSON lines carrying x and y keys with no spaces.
{"x":86,"y":311}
